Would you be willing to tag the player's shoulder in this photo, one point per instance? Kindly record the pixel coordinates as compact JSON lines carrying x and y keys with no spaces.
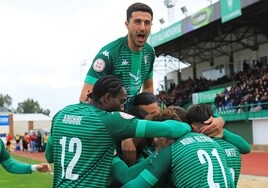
{"x":75,"y":105}
{"x":118,"y":115}
{"x":110,"y":52}
{"x":223,"y":143}
{"x":71,"y":107}
{"x":149,"y":48}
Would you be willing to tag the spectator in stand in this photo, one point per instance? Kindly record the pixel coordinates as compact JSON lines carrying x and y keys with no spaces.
{"x":8,"y":142}
{"x":25,"y":142}
{"x":240,"y":96}
{"x":39,"y":142}
{"x":245,"y":66}
{"x":179,"y":95}
{"x":33,"y":139}
{"x":248,"y":94}
{"x":45,"y":140}
{"x":17,"y":138}
{"x":217,"y":101}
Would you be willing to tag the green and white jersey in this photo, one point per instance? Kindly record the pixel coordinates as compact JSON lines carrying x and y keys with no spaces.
{"x":131,"y":67}
{"x":198,"y":161}
{"x":77,"y":135}
{"x":83,"y":138}
{"x":233,"y":158}
{"x":195,"y":160}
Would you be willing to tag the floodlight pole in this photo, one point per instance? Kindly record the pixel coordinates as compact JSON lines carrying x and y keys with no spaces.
{"x":82,"y":65}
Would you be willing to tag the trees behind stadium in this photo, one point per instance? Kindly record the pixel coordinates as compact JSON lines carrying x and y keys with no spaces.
{"x":27,"y":106}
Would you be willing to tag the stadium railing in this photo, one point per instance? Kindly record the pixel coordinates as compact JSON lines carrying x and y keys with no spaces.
{"x":242,"y":112}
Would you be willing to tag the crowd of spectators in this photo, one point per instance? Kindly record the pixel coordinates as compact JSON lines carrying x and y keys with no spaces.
{"x":248,"y":91}
{"x":179,"y":95}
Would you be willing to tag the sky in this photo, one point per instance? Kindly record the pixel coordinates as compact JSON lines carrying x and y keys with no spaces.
{"x":47,"y":46}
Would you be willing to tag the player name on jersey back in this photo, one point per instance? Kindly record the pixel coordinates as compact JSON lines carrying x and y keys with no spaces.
{"x":195,"y":139}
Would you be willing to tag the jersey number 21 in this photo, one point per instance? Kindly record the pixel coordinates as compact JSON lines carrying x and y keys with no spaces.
{"x":203,"y":158}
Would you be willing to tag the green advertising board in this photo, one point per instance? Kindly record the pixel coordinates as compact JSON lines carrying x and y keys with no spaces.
{"x":206,"y":96}
{"x":201,"y":18}
{"x":166,"y":34}
{"x":230,"y":9}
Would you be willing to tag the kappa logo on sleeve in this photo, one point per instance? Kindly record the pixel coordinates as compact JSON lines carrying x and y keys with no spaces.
{"x":125,"y":115}
{"x":99,"y":65}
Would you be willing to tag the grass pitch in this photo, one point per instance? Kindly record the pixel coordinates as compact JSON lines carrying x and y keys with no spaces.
{"x":34,"y":180}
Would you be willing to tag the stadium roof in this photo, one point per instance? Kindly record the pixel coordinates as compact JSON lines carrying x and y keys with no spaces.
{"x":218,"y":39}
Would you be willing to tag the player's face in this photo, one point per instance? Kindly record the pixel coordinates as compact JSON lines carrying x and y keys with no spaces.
{"x":117,"y":102}
{"x":150,"y":108}
{"x":139,"y":28}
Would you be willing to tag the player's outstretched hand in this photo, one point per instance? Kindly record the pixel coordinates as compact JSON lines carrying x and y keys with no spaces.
{"x":43,"y":167}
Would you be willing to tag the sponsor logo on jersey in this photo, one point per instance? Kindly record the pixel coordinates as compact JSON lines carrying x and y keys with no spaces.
{"x":99,"y":65}
{"x":136,"y":78}
{"x":230,"y":152}
{"x":106,"y":53}
{"x":71,"y":119}
{"x":125,"y":115}
{"x":124,"y":62}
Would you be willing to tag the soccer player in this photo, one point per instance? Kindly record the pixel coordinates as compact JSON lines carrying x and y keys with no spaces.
{"x":143,"y":104}
{"x":194,"y":160}
{"x":197,"y":114}
{"x":83,"y":136}
{"x":16,"y":167}
{"x":129,"y":58}
{"x":146,"y":101}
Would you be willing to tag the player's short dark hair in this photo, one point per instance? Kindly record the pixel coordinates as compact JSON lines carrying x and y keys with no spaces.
{"x":138,"y":7}
{"x":144,"y":98}
{"x":106,"y":84}
{"x":198,"y":113}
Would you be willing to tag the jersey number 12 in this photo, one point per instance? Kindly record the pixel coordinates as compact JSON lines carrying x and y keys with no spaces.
{"x":68,"y":173}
